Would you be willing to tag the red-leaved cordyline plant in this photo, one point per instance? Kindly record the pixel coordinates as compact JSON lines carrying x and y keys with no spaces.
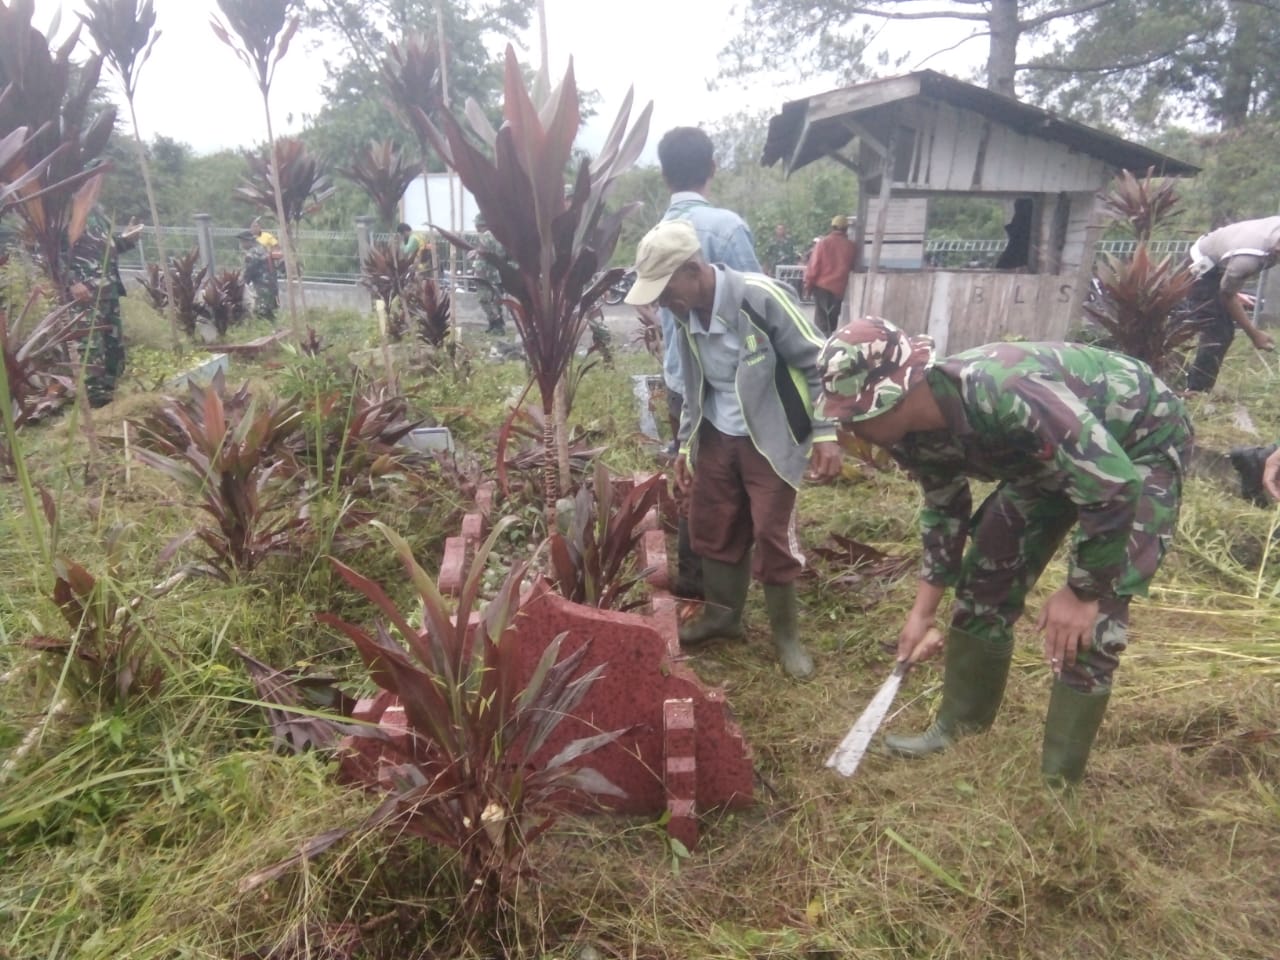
{"x":594,"y":562}
{"x":462,"y":777}
{"x":555,"y":241}
{"x":353,"y":436}
{"x":231,"y":459}
{"x":304,"y":185}
{"x":52,"y":99}
{"x":1140,"y":294}
{"x":528,"y":425}
{"x":105,"y":655}
{"x":222,"y":300}
{"x":384,"y":173}
{"x":413,"y":79}
{"x":264,"y":30}
{"x":40,"y":372}
{"x":125,"y":33}
{"x":185,"y":283}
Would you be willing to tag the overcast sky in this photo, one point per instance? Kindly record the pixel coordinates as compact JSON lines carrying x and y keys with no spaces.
{"x":194,"y":90}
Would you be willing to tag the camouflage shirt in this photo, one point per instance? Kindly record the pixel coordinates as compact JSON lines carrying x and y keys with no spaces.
{"x":92,"y":259}
{"x":1051,"y":418}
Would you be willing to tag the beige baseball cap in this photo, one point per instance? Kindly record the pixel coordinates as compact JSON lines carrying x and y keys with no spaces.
{"x":662,"y":251}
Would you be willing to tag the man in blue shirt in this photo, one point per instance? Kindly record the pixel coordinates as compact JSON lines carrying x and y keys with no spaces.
{"x":687,"y":158}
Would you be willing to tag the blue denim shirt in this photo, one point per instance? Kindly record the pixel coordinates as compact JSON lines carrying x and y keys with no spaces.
{"x":725,"y":238}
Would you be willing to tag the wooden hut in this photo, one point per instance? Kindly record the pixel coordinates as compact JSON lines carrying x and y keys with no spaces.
{"x":937,"y":135}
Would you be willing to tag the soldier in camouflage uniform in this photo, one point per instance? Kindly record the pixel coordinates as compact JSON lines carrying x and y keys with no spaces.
{"x":259,"y":275}
{"x":1075,"y":437}
{"x":94,"y":282}
{"x":489,"y":283}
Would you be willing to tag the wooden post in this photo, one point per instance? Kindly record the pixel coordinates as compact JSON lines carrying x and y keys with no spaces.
{"x":882,"y":218}
{"x":204,"y":240}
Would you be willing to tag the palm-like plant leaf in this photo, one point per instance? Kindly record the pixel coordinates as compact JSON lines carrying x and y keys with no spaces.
{"x":304,"y":186}
{"x":591,"y":564}
{"x":53,"y":100}
{"x":384,"y":172}
{"x":554,"y":245}
{"x":124,"y":32}
{"x":222,"y":300}
{"x":464,"y":777}
{"x":40,"y":372}
{"x":1142,"y":204}
{"x":1142,"y":295}
{"x":186,"y":280}
{"x":413,"y":79}
{"x":231,"y":459}
{"x":257,"y":24}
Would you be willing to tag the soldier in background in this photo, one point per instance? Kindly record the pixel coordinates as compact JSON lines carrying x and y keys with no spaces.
{"x":269,"y":243}
{"x":1075,"y":438}
{"x":488,"y":281}
{"x":259,"y":275}
{"x":94,"y":282}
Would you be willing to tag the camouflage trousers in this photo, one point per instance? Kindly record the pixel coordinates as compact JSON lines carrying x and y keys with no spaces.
{"x":494,"y":313}
{"x":266,"y":301}
{"x":105,"y":358}
{"x":1015,"y":534}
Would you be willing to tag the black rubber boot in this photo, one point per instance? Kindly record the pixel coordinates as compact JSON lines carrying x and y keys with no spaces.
{"x":725,"y":586}
{"x":780,"y":601}
{"x":972,"y":689}
{"x":1249,"y":462}
{"x":688,"y":585}
{"x":1069,"y":731}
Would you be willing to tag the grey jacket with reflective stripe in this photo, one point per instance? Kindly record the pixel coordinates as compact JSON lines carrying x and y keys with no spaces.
{"x":777,"y":399}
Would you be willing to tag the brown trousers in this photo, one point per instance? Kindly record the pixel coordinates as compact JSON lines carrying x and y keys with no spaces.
{"x":737,"y":500}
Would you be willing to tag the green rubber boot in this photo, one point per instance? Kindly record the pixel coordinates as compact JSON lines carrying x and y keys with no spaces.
{"x":972,"y":689}
{"x":1069,"y":730}
{"x":780,"y":601}
{"x":725,"y":586}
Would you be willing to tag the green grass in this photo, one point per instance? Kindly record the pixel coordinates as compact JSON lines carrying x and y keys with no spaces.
{"x":127,"y":831}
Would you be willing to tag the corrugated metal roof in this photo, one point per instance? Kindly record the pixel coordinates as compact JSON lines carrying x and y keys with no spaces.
{"x":809,"y":129}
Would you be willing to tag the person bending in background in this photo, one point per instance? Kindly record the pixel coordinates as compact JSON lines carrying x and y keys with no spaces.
{"x":1076,"y":438}
{"x":1223,"y":261}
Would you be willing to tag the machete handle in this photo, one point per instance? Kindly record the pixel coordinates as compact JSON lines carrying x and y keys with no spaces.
{"x":930,"y":645}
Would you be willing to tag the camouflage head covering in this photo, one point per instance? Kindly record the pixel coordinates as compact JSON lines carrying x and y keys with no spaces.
{"x":867,"y":366}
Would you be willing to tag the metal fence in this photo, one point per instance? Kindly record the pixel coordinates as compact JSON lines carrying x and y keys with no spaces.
{"x":324,"y":256}
{"x":333,"y":256}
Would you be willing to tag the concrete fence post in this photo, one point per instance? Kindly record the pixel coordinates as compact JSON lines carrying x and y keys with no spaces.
{"x":364,"y":239}
{"x":204,"y":239}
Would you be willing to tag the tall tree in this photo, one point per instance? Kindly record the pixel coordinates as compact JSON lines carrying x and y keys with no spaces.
{"x":365,"y":29}
{"x":1141,"y":64}
{"x":832,"y":36}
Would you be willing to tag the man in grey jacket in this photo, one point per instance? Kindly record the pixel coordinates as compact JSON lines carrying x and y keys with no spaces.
{"x":749,"y":362}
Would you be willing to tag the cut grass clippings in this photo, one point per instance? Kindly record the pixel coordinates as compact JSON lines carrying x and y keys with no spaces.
{"x":128,"y":832}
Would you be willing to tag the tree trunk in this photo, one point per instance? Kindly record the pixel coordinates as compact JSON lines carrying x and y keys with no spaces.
{"x":171,"y":308}
{"x":550,"y":472}
{"x":290,"y":268}
{"x":1240,"y":66}
{"x":1002,"y":55}
{"x":562,"y":435}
